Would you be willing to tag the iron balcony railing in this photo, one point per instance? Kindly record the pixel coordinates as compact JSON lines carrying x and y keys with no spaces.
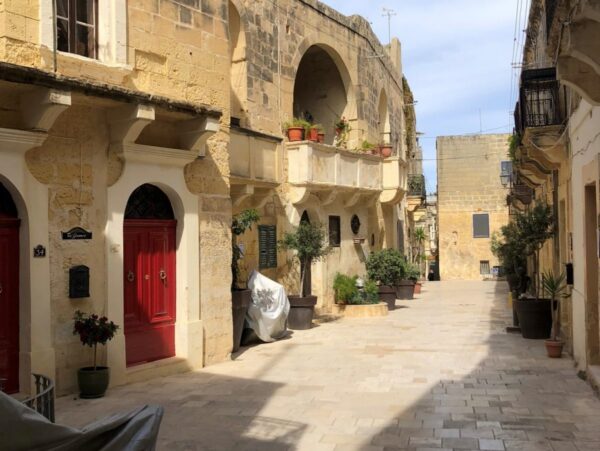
{"x":540,"y":103}
{"x":43,"y":401}
{"x":416,"y":186}
{"x":522,"y":192}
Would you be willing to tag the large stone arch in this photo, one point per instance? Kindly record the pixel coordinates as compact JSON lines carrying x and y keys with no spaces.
{"x":36,"y":350}
{"x":345,"y":67}
{"x":188,"y":327}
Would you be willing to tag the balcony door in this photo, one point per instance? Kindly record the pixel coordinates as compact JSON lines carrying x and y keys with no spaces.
{"x":149,"y":276}
{"x":9,"y":293}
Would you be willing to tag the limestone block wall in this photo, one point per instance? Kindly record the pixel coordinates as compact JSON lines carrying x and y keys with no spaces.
{"x":468,"y":183}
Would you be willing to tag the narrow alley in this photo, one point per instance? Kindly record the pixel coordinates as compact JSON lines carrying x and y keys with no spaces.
{"x":438,"y":373}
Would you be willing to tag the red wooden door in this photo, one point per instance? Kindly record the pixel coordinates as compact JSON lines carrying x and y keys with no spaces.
{"x":149,"y":289}
{"x":9,"y":304}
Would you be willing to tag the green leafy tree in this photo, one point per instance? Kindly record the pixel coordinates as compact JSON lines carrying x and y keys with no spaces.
{"x":240,"y":224}
{"x":386,"y":266}
{"x":310,"y":243}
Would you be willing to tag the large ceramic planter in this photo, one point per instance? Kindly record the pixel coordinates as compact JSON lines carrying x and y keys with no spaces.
{"x":534,"y":317}
{"x":295,"y":134}
{"x":388,"y":295}
{"x":301,"y":312}
{"x":405,"y":289}
{"x":93,"y":382}
{"x":240,"y":300}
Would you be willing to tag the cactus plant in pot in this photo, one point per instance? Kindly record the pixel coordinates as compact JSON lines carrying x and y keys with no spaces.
{"x":93,"y":330}
{"x":310,"y":244}
{"x":240,"y":295}
{"x":386,"y":267}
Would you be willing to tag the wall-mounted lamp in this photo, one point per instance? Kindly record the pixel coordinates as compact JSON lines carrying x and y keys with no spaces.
{"x":505,"y":179}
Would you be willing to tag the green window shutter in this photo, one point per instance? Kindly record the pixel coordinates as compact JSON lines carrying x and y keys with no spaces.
{"x":267,"y":246}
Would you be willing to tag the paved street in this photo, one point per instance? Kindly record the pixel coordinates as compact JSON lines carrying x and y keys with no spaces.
{"x":439,"y":372}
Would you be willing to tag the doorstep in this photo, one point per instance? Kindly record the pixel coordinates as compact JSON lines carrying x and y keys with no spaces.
{"x":158,"y":368}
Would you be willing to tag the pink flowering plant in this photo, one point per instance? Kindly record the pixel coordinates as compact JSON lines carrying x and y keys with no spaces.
{"x":93,"y":330}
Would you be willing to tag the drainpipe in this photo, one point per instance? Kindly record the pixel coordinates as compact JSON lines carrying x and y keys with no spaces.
{"x":54,"y":37}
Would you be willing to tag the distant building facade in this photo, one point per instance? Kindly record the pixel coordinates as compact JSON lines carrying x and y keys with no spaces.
{"x":471,"y":203}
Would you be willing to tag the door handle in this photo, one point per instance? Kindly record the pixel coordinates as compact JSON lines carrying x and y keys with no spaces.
{"x":162,"y":274}
{"x":1,"y":289}
{"x":130,"y":276}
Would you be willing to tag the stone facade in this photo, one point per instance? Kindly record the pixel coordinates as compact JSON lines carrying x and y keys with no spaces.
{"x":469,"y":183}
{"x":189,"y":97}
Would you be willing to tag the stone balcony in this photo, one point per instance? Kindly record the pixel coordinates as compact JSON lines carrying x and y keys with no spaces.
{"x":329,"y":173}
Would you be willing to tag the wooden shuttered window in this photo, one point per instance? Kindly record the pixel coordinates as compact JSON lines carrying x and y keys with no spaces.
{"x":335,"y":237}
{"x":267,"y":246}
{"x":481,"y":225}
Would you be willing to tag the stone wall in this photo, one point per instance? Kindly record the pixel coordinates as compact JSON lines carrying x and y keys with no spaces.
{"x":468,"y":183}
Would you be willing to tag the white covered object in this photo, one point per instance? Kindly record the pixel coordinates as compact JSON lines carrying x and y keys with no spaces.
{"x":269,"y":309}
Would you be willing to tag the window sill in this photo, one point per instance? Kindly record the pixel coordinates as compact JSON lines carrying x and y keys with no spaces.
{"x":94,"y":61}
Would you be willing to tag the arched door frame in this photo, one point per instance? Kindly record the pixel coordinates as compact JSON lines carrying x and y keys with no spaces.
{"x":36,"y":344}
{"x":188,"y":326}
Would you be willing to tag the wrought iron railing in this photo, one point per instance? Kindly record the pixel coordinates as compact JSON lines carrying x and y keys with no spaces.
{"x":540,"y":103}
{"x":43,"y":401}
{"x":416,"y":186}
{"x":522,"y":192}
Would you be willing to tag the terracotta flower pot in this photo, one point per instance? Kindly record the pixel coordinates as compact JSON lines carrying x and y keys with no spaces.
{"x":375,"y":151}
{"x":554,"y":348}
{"x":313,"y":134}
{"x":385,"y":150}
{"x":418,"y":288}
{"x":295,"y":133}
{"x":321,"y":138}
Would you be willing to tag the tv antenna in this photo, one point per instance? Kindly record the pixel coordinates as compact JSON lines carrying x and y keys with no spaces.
{"x":389,"y":13}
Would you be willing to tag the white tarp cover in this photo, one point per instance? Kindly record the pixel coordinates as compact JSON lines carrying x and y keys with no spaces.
{"x":23,"y":429}
{"x":269,"y":309}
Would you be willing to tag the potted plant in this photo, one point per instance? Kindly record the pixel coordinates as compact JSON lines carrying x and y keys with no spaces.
{"x":310,"y":244}
{"x":296,"y":129}
{"x":534,"y":228}
{"x":554,"y":287}
{"x":385,"y":150}
{"x":386,"y":267}
{"x":240,"y":295}
{"x":342,"y":130}
{"x":93,"y":330}
{"x":313,"y":131}
{"x":405,"y":288}
{"x":368,"y":147}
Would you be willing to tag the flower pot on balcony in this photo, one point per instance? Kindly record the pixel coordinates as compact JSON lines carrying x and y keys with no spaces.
{"x":240,"y":300}
{"x":388,"y":295}
{"x":554,"y":348}
{"x":301,"y":313}
{"x":312,"y":134}
{"x":385,"y":150}
{"x":321,"y":138}
{"x":405,"y":289}
{"x":375,"y":151}
{"x":295,"y":134}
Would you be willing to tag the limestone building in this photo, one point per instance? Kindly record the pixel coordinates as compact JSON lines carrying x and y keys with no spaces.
{"x":557,"y":119}
{"x":471,"y":203}
{"x":130,"y":132}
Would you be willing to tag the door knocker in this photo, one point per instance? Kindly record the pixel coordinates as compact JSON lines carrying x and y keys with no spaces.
{"x":162,"y":274}
{"x":130,"y":276}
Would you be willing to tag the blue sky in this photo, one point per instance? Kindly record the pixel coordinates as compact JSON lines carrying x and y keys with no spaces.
{"x":457,"y":58}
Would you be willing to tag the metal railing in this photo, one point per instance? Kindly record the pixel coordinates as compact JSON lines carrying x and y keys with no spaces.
{"x":416,"y":185}
{"x":43,"y":401}
{"x":540,"y":103}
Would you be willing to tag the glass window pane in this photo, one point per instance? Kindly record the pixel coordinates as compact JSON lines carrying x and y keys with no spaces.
{"x":62,"y":8}
{"x":85,"y":41}
{"x":62,"y":35}
{"x":85,"y":11}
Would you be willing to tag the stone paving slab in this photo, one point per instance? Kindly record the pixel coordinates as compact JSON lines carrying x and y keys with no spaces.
{"x":438,"y":373}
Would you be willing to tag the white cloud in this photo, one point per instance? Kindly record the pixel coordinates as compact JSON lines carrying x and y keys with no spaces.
{"x":456,"y":56}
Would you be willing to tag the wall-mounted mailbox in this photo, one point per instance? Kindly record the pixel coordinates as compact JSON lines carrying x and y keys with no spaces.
{"x":79,"y":282}
{"x":570,"y":276}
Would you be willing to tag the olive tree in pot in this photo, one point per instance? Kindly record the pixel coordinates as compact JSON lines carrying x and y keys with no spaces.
{"x":535,"y":227}
{"x":240,"y":295}
{"x":554,"y":287}
{"x":509,"y":248}
{"x":93,"y":330}
{"x":310,"y":244}
{"x":387,"y":268}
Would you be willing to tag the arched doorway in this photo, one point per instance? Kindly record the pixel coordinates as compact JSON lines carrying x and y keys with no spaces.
{"x":149,"y":276}
{"x":9,"y":292}
{"x":321,"y":90}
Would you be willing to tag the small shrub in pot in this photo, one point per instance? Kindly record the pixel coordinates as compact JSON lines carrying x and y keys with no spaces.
{"x":386,"y":267}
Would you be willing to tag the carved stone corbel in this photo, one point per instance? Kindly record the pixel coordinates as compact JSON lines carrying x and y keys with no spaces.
{"x":194,"y":133}
{"x":41,"y":107}
{"x":127,"y":122}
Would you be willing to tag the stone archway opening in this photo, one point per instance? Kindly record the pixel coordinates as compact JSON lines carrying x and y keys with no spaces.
{"x":322,"y":89}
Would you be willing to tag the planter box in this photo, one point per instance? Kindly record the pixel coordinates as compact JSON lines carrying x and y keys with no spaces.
{"x":388,"y":295}
{"x":405,"y":290}
{"x":535,"y":317}
{"x":301,"y":312}
{"x":361,"y":311}
{"x":240,"y":300}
